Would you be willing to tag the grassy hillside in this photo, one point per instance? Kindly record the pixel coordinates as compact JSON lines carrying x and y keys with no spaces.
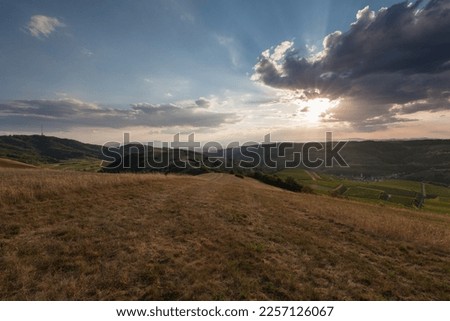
{"x":7,"y":163}
{"x":36,"y":149}
{"x":93,"y":236}
{"x":419,"y":160}
{"x":138,"y":158}
{"x":392,"y":192}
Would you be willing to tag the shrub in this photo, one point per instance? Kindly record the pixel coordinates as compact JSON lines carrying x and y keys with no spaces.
{"x":307,"y":189}
{"x":292,"y":185}
{"x":289,"y":183}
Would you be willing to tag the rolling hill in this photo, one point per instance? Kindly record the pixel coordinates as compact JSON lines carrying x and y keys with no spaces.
{"x":37,"y":149}
{"x":389,"y":192}
{"x":97,"y":236}
{"x":419,"y":160}
{"x":145,"y":159}
{"x":7,"y":163}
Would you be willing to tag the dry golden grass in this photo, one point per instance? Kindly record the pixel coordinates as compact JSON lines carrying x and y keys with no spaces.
{"x":9,"y":163}
{"x":72,"y":235}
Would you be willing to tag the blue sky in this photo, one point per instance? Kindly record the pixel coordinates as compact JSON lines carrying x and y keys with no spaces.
{"x":95,"y":69}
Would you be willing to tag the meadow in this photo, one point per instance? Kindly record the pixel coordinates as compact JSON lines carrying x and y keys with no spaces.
{"x":69,"y":235}
{"x":386,"y":192}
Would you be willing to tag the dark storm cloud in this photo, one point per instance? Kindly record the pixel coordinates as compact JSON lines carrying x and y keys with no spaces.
{"x":392,"y":62}
{"x":66,"y":113}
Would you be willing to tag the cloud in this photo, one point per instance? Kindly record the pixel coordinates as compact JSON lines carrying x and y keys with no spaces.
{"x":203,"y":102}
{"x":230,"y":44}
{"x":86,"y":52}
{"x":389,"y":64}
{"x":68,"y":113}
{"x":42,"y":26}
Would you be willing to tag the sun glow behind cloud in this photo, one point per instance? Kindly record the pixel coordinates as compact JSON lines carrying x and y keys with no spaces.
{"x":309,"y":110}
{"x":313,"y":110}
{"x":378,"y":68}
{"x":309,"y":76}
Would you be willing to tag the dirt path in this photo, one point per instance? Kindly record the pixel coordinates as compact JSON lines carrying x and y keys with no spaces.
{"x":314,"y":176}
{"x":337,"y":188}
{"x":424,"y":192}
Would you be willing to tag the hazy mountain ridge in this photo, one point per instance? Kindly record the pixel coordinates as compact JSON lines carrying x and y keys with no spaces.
{"x":427,"y":160}
{"x":36,"y":149}
{"x":135,"y":157}
{"x":416,"y":159}
{"x":423,"y":160}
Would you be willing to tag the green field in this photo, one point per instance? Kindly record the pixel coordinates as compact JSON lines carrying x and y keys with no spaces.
{"x":363,"y":192}
{"x":85,"y":165}
{"x":392,"y":192}
{"x":402,"y":200}
{"x":298,"y":174}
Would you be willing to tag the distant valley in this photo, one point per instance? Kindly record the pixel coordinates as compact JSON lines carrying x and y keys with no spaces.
{"x":418,"y":160}
{"x":410,"y":174}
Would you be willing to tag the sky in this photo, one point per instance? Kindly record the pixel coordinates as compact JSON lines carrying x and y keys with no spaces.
{"x":226,"y":70}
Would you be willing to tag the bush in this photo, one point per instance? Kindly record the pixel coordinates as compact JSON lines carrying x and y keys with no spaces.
{"x":307,"y":189}
{"x":384,"y":196}
{"x":292,"y":185}
{"x":289,"y":183}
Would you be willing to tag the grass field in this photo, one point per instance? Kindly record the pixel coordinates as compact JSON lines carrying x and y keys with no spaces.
{"x":392,"y":192}
{"x":363,"y":192}
{"x":8,"y":163}
{"x":299,"y":175}
{"x":87,"y":164}
{"x":88,"y":236}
